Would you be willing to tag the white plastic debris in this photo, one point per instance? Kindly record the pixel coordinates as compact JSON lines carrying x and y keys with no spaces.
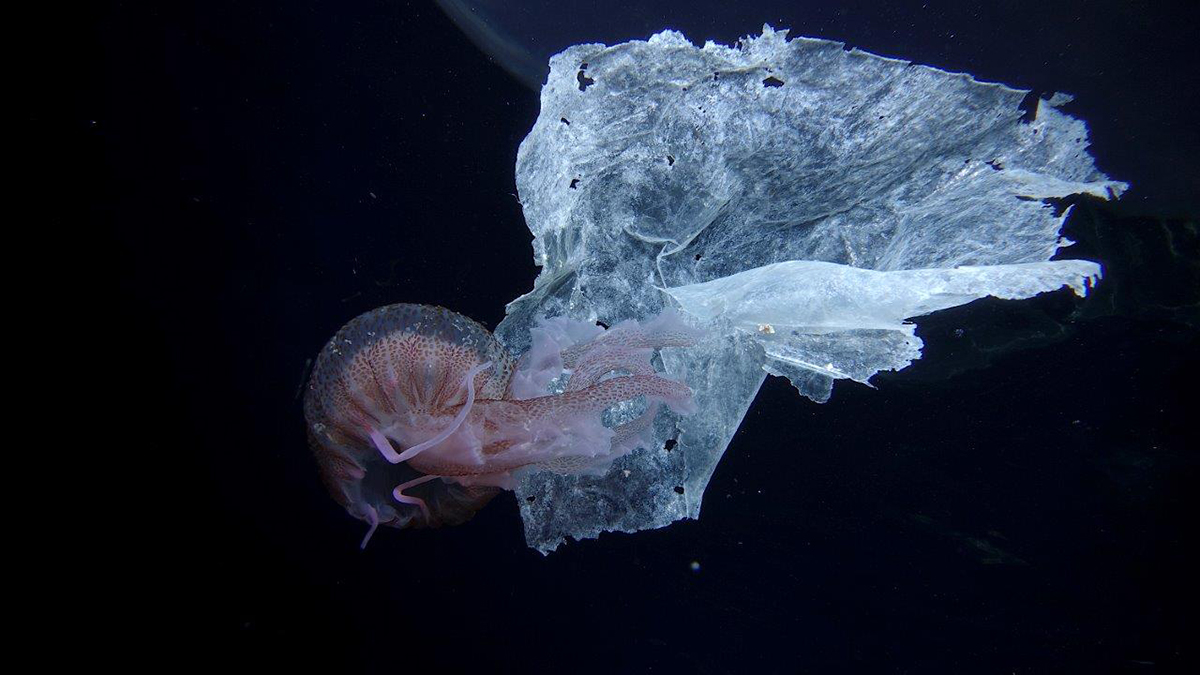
{"x":799,"y":199}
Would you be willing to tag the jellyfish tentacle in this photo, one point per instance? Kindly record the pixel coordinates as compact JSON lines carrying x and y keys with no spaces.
{"x":389,"y":453}
{"x":373,"y":519}
{"x":455,"y":424}
{"x":384,"y":446}
{"x":398,"y":493}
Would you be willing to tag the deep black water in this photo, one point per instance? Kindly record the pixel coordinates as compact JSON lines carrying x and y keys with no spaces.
{"x":1015,"y":502}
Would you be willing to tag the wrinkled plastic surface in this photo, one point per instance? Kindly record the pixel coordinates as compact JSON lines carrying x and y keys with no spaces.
{"x":819,"y":321}
{"x":657,"y":171}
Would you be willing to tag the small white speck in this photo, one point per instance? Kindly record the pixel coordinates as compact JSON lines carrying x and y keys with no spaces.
{"x":695,"y":566}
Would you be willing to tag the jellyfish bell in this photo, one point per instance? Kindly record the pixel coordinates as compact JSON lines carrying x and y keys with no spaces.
{"x":418,"y":416}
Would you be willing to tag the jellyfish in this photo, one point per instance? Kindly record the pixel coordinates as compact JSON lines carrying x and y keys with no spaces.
{"x":418,"y":416}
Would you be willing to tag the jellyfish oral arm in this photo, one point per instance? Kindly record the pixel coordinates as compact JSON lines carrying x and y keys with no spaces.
{"x":562,"y":431}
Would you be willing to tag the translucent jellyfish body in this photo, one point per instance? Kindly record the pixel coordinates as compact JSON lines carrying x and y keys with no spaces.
{"x":417,"y":416}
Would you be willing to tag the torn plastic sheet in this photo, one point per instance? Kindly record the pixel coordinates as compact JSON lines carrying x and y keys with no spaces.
{"x":790,"y":171}
{"x":841,"y":322}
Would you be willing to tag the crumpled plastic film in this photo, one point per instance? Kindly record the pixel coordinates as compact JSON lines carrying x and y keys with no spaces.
{"x":843,"y":192}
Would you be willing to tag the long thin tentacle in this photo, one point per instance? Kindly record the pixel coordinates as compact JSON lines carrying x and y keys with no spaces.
{"x":389,"y":453}
{"x":373,"y":519}
{"x":454,"y":425}
{"x":398,"y":493}
{"x":384,"y":446}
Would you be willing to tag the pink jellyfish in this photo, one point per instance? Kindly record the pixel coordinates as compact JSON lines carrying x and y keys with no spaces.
{"x":417,"y":416}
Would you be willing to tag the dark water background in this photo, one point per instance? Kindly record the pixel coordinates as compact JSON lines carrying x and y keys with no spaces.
{"x":1018,"y":501}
